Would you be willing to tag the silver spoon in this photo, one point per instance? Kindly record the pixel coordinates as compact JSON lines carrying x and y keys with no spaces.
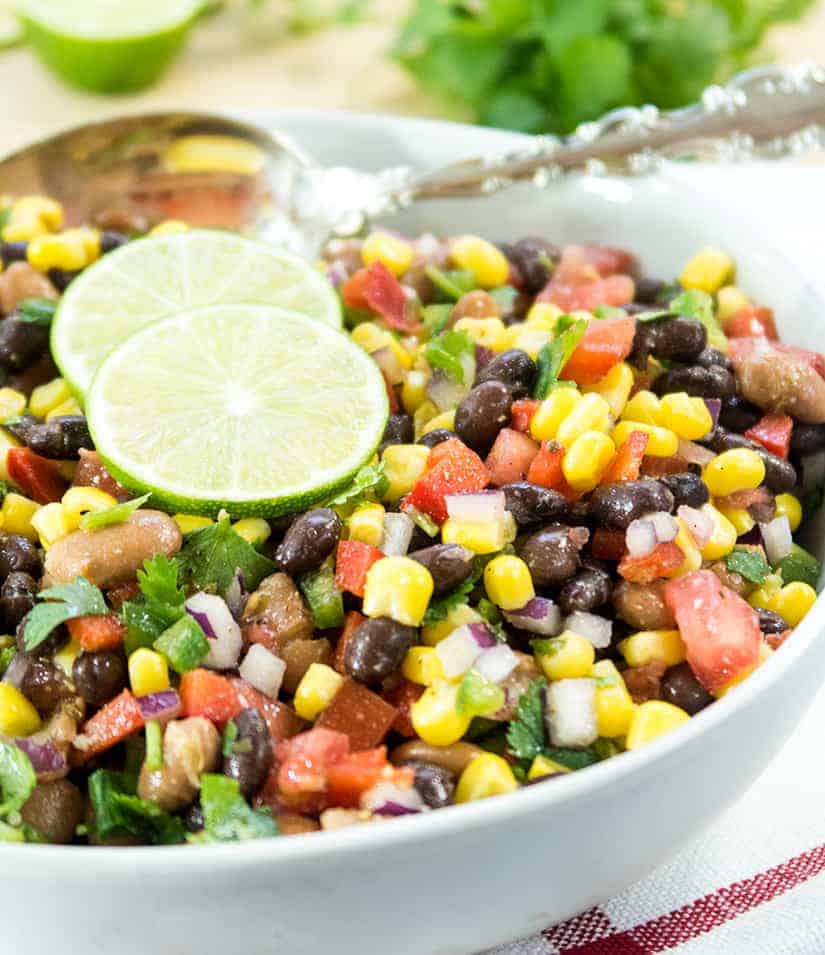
{"x":135,"y":171}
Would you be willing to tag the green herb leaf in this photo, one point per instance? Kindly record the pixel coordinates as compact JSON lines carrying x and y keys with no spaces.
{"x":446,"y":352}
{"x":572,"y":758}
{"x":654,"y":315}
{"x":452,"y":284}
{"x":697,"y":304}
{"x":5,"y":488}
{"x":546,"y":646}
{"x":492,"y":617}
{"x":230,"y":734}
{"x":7,"y":654}
{"x":37,"y":311}
{"x":751,"y":564}
{"x":158,"y":582}
{"x":554,"y":356}
{"x":226,"y":814}
{"x":184,"y":644}
{"x":370,"y":482}
{"x":526,"y":733}
{"x":800,"y":565}
{"x":118,"y":810}
{"x":435,"y":318}
{"x":61,"y":603}
{"x":112,"y":515}
{"x":211,"y":556}
{"x":17,"y":778}
{"x":154,"y":746}
{"x":325,"y":600}
{"x":438,"y":609}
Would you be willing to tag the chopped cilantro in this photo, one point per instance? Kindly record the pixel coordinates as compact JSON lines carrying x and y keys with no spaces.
{"x":697,"y":304}
{"x":37,"y":311}
{"x":370,"y":481}
{"x":750,"y":564}
{"x":492,"y":617}
{"x":546,"y":646}
{"x":118,"y":810}
{"x":211,"y":556}
{"x":438,"y":609}
{"x":112,"y":515}
{"x":5,"y":488}
{"x":447,"y":350}
{"x":452,"y":284}
{"x":435,"y":318}
{"x":800,"y":565}
{"x":226,"y":814}
{"x":161,"y":606}
{"x":526,"y":733}
{"x":59,"y":604}
{"x":230,"y":734}
{"x":573,"y":758}
{"x":653,"y":315}
{"x":554,"y":356}
{"x":7,"y":654}
{"x":154,"y":746}
{"x":17,"y":778}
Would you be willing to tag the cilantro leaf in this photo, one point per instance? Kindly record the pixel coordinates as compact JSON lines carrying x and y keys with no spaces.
{"x":447,"y":350}
{"x":435,"y":317}
{"x":554,"y":356}
{"x":61,"y":603}
{"x":161,"y":606}
{"x":573,"y":758}
{"x":227,"y":816}
{"x":17,"y":778}
{"x":438,"y":609}
{"x":750,"y":564}
{"x":211,"y":556}
{"x":370,"y":480}
{"x":492,"y":617}
{"x":112,"y":515}
{"x":698,"y":304}
{"x":800,"y":565}
{"x":117,"y":810}
{"x":230,"y":734}
{"x":526,"y":733}
{"x":37,"y":311}
{"x":158,"y":582}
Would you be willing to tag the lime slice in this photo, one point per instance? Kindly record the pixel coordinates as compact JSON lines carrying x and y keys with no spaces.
{"x":11,"y":32}
{"x":108,"y":45}
{"x":154,"y":278}
{"x":255,"y":409}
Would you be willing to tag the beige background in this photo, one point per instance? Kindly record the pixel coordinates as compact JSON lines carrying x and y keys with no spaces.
{"x":237,"y":60}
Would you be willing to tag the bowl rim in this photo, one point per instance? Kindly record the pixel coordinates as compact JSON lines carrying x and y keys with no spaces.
{"x":452,"y":820}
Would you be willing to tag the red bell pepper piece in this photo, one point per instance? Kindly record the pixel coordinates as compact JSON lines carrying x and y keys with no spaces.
{"x":628,"y":461}
{"x":752,"y":321}
{"x":350,"y":778}
{"x":204,"y":693}
{"x":37,"y":477}
{"x":452,"y":468}
{"x":510,"y":457}
{"x":115,"y":722}
{"x":303,"y":763}
{"x":376,"y":289}
{"x":605,"y":343}
{"x":608,"y":544}
{"x":546,"y":470}
{"x":521,"y":414}
{"x":773,"y":432}
{"x":402,"y":696}
{"x":662,"y":560}
{"x":101,"y":632}
{"x":352,"y":561}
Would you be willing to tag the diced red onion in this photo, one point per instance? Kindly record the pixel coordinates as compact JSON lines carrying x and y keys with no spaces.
{"x":753,"y":537}
{"x":387,"y":799}
{"x":777,"y":538}
{"x":220,"y":627}
{"x":485,"y":507}
{"x":336,"y":274}
{"x":715,"y":409}
{"x":16,"y":670}
{"x":458,"y":652}
{"x":539,"y":615}
{"x":397,"y":534}
{"x":640,"y":537}
{"x":482,"y":635}
{"x":698,"y":523}
{"x":236,"y":595}
{"x":571,"y":713}
{"x":497,"y":663}
{"x":46,"y":759}
{"x":598,"y":630}
{"x":445,"y":392}
{"x":263,"y":670}
{"x":694,"y":453}
{"x":163,"y":706}
{"x":388,"y":362}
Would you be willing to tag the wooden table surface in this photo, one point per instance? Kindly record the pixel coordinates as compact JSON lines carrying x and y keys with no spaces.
{"x":235,"y":61}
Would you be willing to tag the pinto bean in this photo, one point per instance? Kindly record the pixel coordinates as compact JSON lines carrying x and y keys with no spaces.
{"x":114,"y":554}
{"x":55,"y":809}
{"x":278,"y":607}
{"x":190,"y":747}
{"x":477,"y":304}
{"x":643,"y":605}
{"x":779,"y":381}
{"x":21,"y":281}
{"x":455,"y":757}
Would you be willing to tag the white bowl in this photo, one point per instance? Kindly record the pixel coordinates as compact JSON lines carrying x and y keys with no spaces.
{"x":464,"y":878}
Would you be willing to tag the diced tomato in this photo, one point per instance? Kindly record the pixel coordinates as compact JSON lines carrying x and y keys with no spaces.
{"x":605,"y":343}
{"x":350,"y":778}
{"x":510,"y":457}
{"x":376,"y":289}
{"x":204,"y":693}
{"x":615,"y":290}
{"x":752,"y":321}
{"x":657,"y":467}
{"x":281,"y":720}
{"x":720,"y":630}
{"x":522,"y":413}
{"x":661,"y":561}
{"x":608,"y":544}
{"x":352,"y":621}
{"x":93,"y":633}
{"x":115,"y":722}
{"x":38,"y":478}
{"x":628,"y":461}
{"x":360,"y":713}
{"x":303,"y":762}
{"x":452,"y":468}
{"x":546,"y":470}
{"x":352,"y":561}
{"x":608,"y":260}
{"x":773,"y":432}
{"x":402,"y":696}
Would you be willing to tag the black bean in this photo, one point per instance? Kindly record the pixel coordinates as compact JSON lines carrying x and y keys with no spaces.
{"x":376,"y":649}
{"x":535,"y":260}
{"x":771,"y":622}
{"x":310,"y":539}
{"x":482,"y":414}
{"x":432,"y":438}
{"x":738,"y":414}
{"x":55,"y":640}
{"x":589,"y":589}
{"x":44,"y":684}
{"x":60,"y":438}
{"x":711,"y":357}
{"x":111,"y":240}
{"x":679,"y":339}
{"x":780,"y":475}
{"x":399,"y":430}
{"x":806,"y":438}
{"x":687,"y":488}
{"x":17,"y":596}
{"x":435,"y":784}
{"x":551,"y":555}
{"x":681,"y":688}
{"x":18,"y":553}
{"x":616,"y":505}
{"x":21,"y":342}
{"x":643,"y":341}
{"x":20,"y":427}
{"x":713,"y":382}
{"x":449,"y":565}
{"x":252,"y":754}
{"x":534,"y":504}
{"x":193,"y":818}
{"x":100,"y":676}
{"x":648,"y":290}
{"x":61,"y":279}
{"x":14,"y":252}
{"x":514,"y":368}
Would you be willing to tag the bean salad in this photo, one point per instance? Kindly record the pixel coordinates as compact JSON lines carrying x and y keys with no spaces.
{"x":576,"y":534}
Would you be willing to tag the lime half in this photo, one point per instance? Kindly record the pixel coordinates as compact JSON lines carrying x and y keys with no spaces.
{"x":108,"y":45}
{"x":153,"y":278}
{"x":250,"y":408}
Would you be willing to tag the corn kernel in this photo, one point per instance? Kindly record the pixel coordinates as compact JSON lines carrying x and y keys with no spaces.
{"x":762,"y":596}
{"x":614,"y":705}
{"x":48,"y":396}
{"x":651,"y":720}
{"x":366,"y":524}
{"x":645,"y":646}
{"x":422,"y":665}
{"x":68,"y":407}
{"x":591,"y":413}
{"x":403,"y":466}
{"x":17,"y":715}
{"x":488,"y":332}
{"x":723,"y":539}
{"x":543,"y":766}
{"x":316,"y":690}
{"x":169,"y":227}
{"x":566,"y":657}
{"x":487,"y":263}
{"x":708,"y":270}
{"x":62,"y":251}
{"x":66,"y":655}
{"x":587,"y":459}
{"x":530,"y":340}
{"x":444,"y":420}
{"x":211,"y":152}
{"x":435,"y":716}
{"x":788,"y":506}
{"x":643,"y":407}
{"x":662,"y":442}
{"x":32,"y":216}
{"x":487,"y":775}
{"x":191,"y":522}
{"x":393,"y":252}
{"x":543,"y":316}
{"x":18,"y":512}
{"x":481,"y":537}
{"x":764,"y":653}
{"x":12,"y":403}
{"x":414,"y":391}
{"x":370,"y":336}
{"x":739,"y":469}
{"x":739,"y":517}
{"x":148,"y":672}
{"x":424,"y":413}
{"x":53,"y":522}
{"x":456,"y":616}
{"x":398,"y":587}
{"x":729,"y":300}
{"x":793,"y":601}
{"x":508,"y":582}
{"x":80,"y":500}
{"x":693,"y":556}
{"x":254,"y":530}
{"x":688,"y":417}
{"x":552,"y":411}
{"x":615,"y":388}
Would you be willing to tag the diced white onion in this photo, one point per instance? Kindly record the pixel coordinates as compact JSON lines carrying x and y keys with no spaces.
{"x":539,"y":615}
{"x":777,"y":538}
{"x":220,"y":627}
{"x":497,"y":663}
{"x":598,"y":630}
{"x":699,"y":523}
{"x":665,"y":526}
{"x":640,"y":537}
{"x":486,"y":507}
{"x":384,"y":793}
{"x":571,"y":713}
{"x":458,"y":652}
{"x":263,"y":670}
{"x":397,"y":534}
